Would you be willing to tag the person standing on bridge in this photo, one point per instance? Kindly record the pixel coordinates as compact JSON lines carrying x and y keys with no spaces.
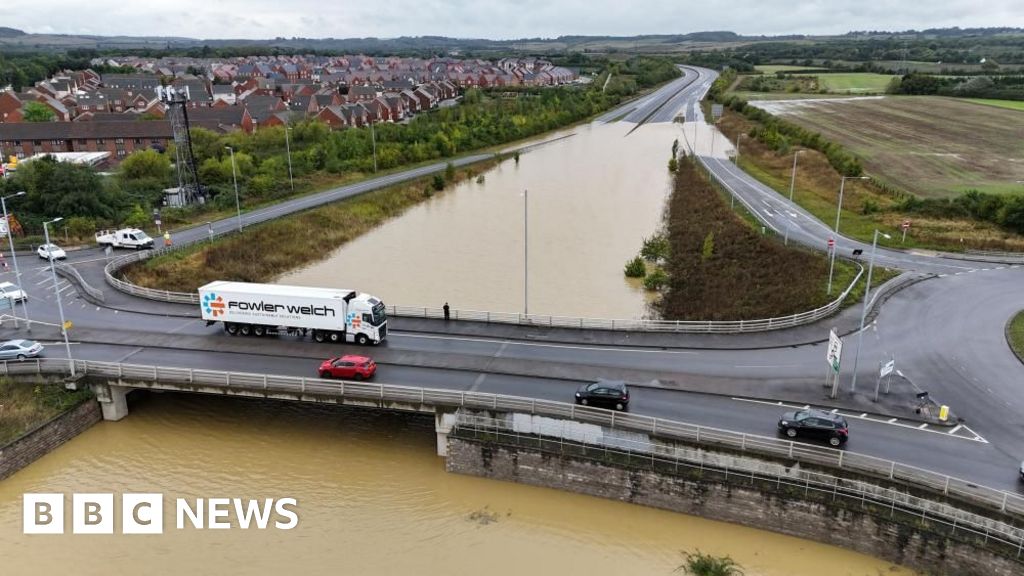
{"x":447,"y":311}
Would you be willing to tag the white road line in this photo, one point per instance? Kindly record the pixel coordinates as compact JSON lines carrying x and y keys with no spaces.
{"x":479,"y":380}
{"x":66,"y":286}
{"x":890,"y":422}
{"x":864,"y":415}
{"x":955,"y":429}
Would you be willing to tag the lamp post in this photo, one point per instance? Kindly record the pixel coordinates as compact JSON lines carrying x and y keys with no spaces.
{"x":839,"y":210}
{"x":234,"y":176}
{"x":526,"y":253}
{"x":14,"y":258}
{"x":60,"y":306}
{"x":792,"y":178}
{"x":738,"y":138}
{"x":373,"y":138}
{"x":864,"y":312}
{"x":288,"y":149}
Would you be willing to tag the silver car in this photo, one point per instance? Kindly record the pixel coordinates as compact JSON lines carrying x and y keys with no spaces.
{"x":20,"y":349}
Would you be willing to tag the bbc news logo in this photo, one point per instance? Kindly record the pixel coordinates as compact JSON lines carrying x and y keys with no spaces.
{"x":94,"y":513}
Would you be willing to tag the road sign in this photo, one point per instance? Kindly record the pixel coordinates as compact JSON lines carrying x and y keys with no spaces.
{"x":906,"y":224}
{"x":831,"y":243}
{"x":716,"y":110}
{"x":887,"y":368}
{"x":835,"y":350}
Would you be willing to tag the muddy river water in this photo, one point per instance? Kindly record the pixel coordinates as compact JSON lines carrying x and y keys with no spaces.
{"x":591,"y":199}
{"x":373,"y":499}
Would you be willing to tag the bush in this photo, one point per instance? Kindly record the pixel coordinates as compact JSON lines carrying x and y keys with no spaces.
{"x":438,"y":182}
{"x":656,"y":280}
{"x":673,"y":164}
{"x":656,"y":248}
{"x":708,"y":248}
{"x":636,"y":268}
{"x":698,"y":564}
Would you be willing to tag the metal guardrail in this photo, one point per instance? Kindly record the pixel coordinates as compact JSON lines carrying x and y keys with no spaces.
{"x":983,"y":497}
{"x":673,"y":459}
{"x":638,"y":325}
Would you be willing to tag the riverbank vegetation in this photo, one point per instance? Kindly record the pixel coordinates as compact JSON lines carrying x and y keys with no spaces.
{"x":1015,"y":335}
{"x":700,"y":564}
{"x":264,"y":251}
{"x":25,"y":405}
{"x":720,"y":267}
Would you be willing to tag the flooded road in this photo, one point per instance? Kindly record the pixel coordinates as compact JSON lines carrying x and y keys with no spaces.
{"x":592,"y":198}
{"x":373,"y":499}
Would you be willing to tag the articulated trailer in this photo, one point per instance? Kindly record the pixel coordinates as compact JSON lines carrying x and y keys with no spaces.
{"x":330,"y":314}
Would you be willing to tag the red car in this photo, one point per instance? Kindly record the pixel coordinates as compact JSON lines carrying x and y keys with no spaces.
{"x":348,"y":367}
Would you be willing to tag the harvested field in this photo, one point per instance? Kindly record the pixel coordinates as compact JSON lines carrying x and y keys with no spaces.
{"x":931,"y":146}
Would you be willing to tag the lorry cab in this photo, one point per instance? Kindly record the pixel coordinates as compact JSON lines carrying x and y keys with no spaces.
{"x":366,"y":319}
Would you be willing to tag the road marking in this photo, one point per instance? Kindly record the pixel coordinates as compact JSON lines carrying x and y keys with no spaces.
{"x":956,"y":432}
{"x":479,"y":380}
{"x":66,"y":286}
{"x":767,"y":365}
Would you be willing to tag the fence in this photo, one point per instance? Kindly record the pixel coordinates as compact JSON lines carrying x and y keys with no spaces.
{"x":71,"y":273}
{"x":980,"y":496}
{"x":670,"y":459}
{"x":640,"y":325}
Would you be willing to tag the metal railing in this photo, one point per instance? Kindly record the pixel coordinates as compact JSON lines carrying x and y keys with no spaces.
{"x":638,"y":325}
{"x":676,"y":460}
{"x":983,"y":497}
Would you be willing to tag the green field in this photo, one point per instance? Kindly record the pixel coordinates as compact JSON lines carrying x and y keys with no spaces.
{"x":858,"y":82}
{"x":928,"y":145}
{"x":1010,"y":104}
{"x":773,"y":68}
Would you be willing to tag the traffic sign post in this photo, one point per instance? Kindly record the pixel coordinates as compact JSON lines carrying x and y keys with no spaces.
{"x":833,"y":356}
{"x":905,"y":226}
{"x":885,"y":370}
{"x":831,"y":262}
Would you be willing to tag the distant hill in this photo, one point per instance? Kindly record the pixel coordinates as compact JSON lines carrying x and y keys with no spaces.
{"x":9,"y":32}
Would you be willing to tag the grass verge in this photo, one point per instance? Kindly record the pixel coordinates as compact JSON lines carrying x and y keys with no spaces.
{"x":25,"y":405}
{"x":723,"y":267}
{"x":1015,"y":335}
{"x":267,"y":250}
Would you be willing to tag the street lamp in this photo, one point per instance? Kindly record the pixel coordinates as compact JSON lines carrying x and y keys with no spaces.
{"x":738,"y":147}
{"x":864,"y":312}
{"x":14,"y":257}
{"x":792,"y":178}
{"x":288,"y":149}
{"x":60,"y":306}
{"x":526,"y":253}
{"x":839,"y":210}
{"x":234,"y":176}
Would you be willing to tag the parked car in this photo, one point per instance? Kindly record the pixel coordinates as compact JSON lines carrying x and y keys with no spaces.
{"x":604,"y":393}
{"x":815,"y":424}
{"x":348,"y":367}
{"x":20,"y":349}
{"x":51,"y":251}
{"x":11,"y":290}
{"x":1022,"y":470}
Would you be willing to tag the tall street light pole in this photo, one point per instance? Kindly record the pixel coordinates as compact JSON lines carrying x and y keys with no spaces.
{"x":234,"y":176}
{"x":373,"y":138}
{"x":288,"y":149}
{"x":864,"y":312}
{"x":60,"y":306}
{"x":839,"y":210}
{"x":738,"y":138}
{"x":526,"y":253}
{"x":792,"y":178}
{"x":14,"y":258}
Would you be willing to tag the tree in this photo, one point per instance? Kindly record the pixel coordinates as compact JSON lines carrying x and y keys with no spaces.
{"x":58,"y":188}
{"x":675,"y":147}
{"x":137,"y":217}
{"x":636,"y":268}
{"x":38,"y":112}
{"x":673,"y":164}
{"x":656,"y":280}
{"x":146,"y":164}
{"x":438,"y":182}
{"x":656,"y":248}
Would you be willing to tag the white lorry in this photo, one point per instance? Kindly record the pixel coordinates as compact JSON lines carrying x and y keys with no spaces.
{"x":333,"y":315}
{"x":124,"y":238}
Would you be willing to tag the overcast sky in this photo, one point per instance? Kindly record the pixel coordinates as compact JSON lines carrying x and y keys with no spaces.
{"x":498,"y":19}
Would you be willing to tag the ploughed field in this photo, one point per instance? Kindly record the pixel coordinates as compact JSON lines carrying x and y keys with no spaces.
{"x":928,"y":145}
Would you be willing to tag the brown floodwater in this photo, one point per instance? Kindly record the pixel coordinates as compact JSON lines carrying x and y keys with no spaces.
{"x":592,"y":198}
{"x":373,"y":499}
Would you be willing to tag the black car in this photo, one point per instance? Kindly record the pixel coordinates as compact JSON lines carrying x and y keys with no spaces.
{"x":605,"y":393}
{"x":815,"y":424}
